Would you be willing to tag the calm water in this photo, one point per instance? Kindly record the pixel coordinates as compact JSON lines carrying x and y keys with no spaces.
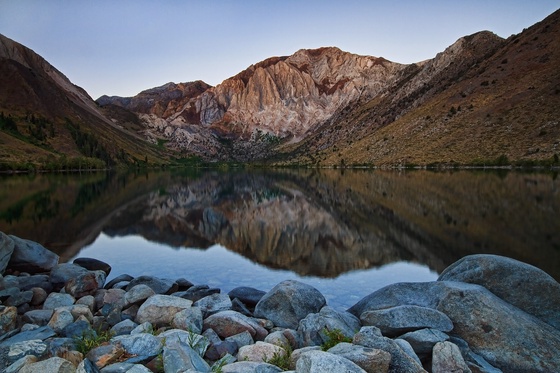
{"x":348,"y":233}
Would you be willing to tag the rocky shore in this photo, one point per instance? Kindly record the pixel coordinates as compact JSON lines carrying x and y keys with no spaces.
{"x":485,"y":313}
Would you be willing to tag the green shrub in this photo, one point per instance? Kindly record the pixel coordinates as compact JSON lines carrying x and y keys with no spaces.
{"x":335,"y":337}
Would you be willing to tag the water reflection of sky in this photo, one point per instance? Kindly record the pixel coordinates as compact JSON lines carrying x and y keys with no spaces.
{"x":218,"y":267}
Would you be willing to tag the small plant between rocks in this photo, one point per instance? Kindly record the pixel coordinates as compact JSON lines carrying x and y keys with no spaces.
{"x":92,"y":339}
{"x":335,"y":337}
{"x":281,"y":359}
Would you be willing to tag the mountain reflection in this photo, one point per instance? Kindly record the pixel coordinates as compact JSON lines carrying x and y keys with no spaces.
{"x":313,"y":222}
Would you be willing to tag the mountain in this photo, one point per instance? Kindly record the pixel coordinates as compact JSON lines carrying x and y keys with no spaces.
{"x":47,"y":121}
{"x":484,"y":100}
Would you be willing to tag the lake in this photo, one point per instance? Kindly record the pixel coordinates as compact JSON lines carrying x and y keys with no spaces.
{"x":346,"y":232}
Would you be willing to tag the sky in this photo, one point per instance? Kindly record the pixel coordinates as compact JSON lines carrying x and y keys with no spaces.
{"x":121,"y":47}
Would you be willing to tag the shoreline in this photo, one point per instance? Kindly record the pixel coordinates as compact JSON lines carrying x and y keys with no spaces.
{"x":49,"y":310}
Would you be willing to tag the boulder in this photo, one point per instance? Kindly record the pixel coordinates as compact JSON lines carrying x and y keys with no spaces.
{"x":85,"y":284}
{"x":124,"y":327}
{"x":56,"y":300}
{"x":188,"y":319}
{"x":20,"y":363}
{"x":31,"y":257}
{"x":39,"y":296}
{"x":86,"y":366}
{"x":259,"y":352}
{"x":93,"y":265}
{"x":369,"y":359}
{"x":526,"y":287}
{"x":34,"y":347}
{"x":6,"y":249}
{"x":60,"y":319}
{"x":142,"y":344}
{"x":424,"y":340}
{"x":197,"y":292}
{"x":446,"y":357}
{"x":8,"y":319}
{"x":401,"y":319}
{"x":117,"y":280}
{"x":159,"y":310}
{"x":105,"y":355}
{"x":214,"y":303}
{"x":324,"y":362}
{"x":314,"y":326}
{"x":38,"y":317}
{"x":370,"y":336}
{"x":220,"y":349}
{"x":289,"y":302}
{"x":228,"y":323}
{"x":19,"y":298}
{"x":137,"y":294}
{"x":242,"y":339}
{"x":42,"y":333}
{"x":248,"y":295}
{"x":28,"y":282}
{"x":64,"y":272}
{"x":250,"y":367}
{"x":158,"y":285}
{"x":198,"y":343}
{"x":181,"y":357}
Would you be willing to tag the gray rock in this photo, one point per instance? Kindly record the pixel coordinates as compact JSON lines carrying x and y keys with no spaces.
{"x":19,"y":299}
{"x":277,"y":338}
{"x":8,"y":319}
{"x":6,"y":249}
{"x":85,"y":284}
{"x":55,"y":300}
{"x":324,"y":362}
{"x":475,"y":362}
{"x":228,"y":323}
{"x":424,"y":340}
{"x":77,"y":329}
{"x":214,"y":303}
{"x":369,"y":359}
{"x":289,"y":302}
{"x":119,"y":279}
{"x":35,"y":347}
{"x":52,"y":365}
{"x":250,"y":367}
{"x":370,"y":336}
{"x":88,"y":301}
{"x":93,"y":265}
{"x":39,"y":296}
{"x":259,"y":352}
{"x":180,"y":357}
{"x":60,"y":319}
{"x":505,"y":336}
{"x":20,"y":363}
{"x":124,"y":327}
{"x":189,"y":319}
{"x":159,"y":310}
{"x":105,"y":355}
{"x":218,"y":350}
{"x":158,"y":285}
{"x":240,"y":307}
{"x":86,"y":366}
{"x":197,"y":292}
{"x":6,"y":293}
{"x":197,"y":342}
{"x":401,"y":319}
{"x":125,"y":368}
{"x":139,"y":344}
{"x":446,"y":358}
{"x":407,"y":348}
{"x":137,"y":294}
{"x":80,"y":310}
{"x":31,"y":257}
{"x":28,"y":282}
{"x":314,"y":326}
{"x":40,"y":333}
{"x":248,"y":295}
{"x":145,"y":327}
{"x":38,"y":317}
{"x":526,"y":287}
{"x":112,"y":296}
{"x":64,"y":272}
{"x":242,"y":339}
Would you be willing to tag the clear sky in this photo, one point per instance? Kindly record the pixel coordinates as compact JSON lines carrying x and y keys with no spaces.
{"x":121,"y":47}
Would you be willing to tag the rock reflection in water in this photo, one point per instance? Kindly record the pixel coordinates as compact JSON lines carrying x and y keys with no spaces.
{"x":316,"y":222}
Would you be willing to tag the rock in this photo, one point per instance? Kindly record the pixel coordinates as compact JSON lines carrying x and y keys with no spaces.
{"x":86,"y":366}
{"x":35,"y":347}
{"x":55,"y":300}
{"x":259,"y":352}
{"x":401,"y":319}
{"x":197,"y":342}
{"x":188,"y":319}
{"x":52,"y":365}
{"x":289,"y":302}
{"x":324,"y":362}
{"x":124,"y":327}
{"x":24,"y":283}
{"x":88,"y":301}
{"x":77,"y":329}
{"x":125,"y":368}
{"x":159,"y":310}
{"x":240,"y":307}
{"x":197,"y":292}
{"x":39,"y":296}
{"x":248,"y":295}
{"x":446,"y":358}
{"x":6,"y":249}
{"x":250,"y":367}
{"x":424,"y":340}
{"x":112,"y":296}
{"x":158,"y":285}
{"x":8,"y":319}
{"x":105,"y":355}
{"x":112,"y":313}
{"x":41,"y":333}
{"x":242,"y":339}
{"x":475,"y":362}
{"x":143,"y":344}
{"x":370,"y":336}
{"x":369,"y":359}
{"x":60,"y":319}
{"x":20,"y":363}
{"x":80,"y":310}
{"x":505,"y":336}
{"x":407,"y":348}
{"x":93,"y":265}
{"x":526,"y":287}
{"x":118,"y":279}
{"x":64,"y":272}
{"x":180,"y":357}
{"x":212,"y":304}
{"x":137,"y":294}
{"x":218,"y":350}
{"x":6,"y":293}
{"x":314,"y":326}
{"x":183,"y":284}
{"x":143,"y":328}
{"x":228,"y":323}
{"x":31,"y":257}
{"x":19,"y":299}
{"x":85,"y":284}
{"x":277,"y":338}
{"x":38,"y":317}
